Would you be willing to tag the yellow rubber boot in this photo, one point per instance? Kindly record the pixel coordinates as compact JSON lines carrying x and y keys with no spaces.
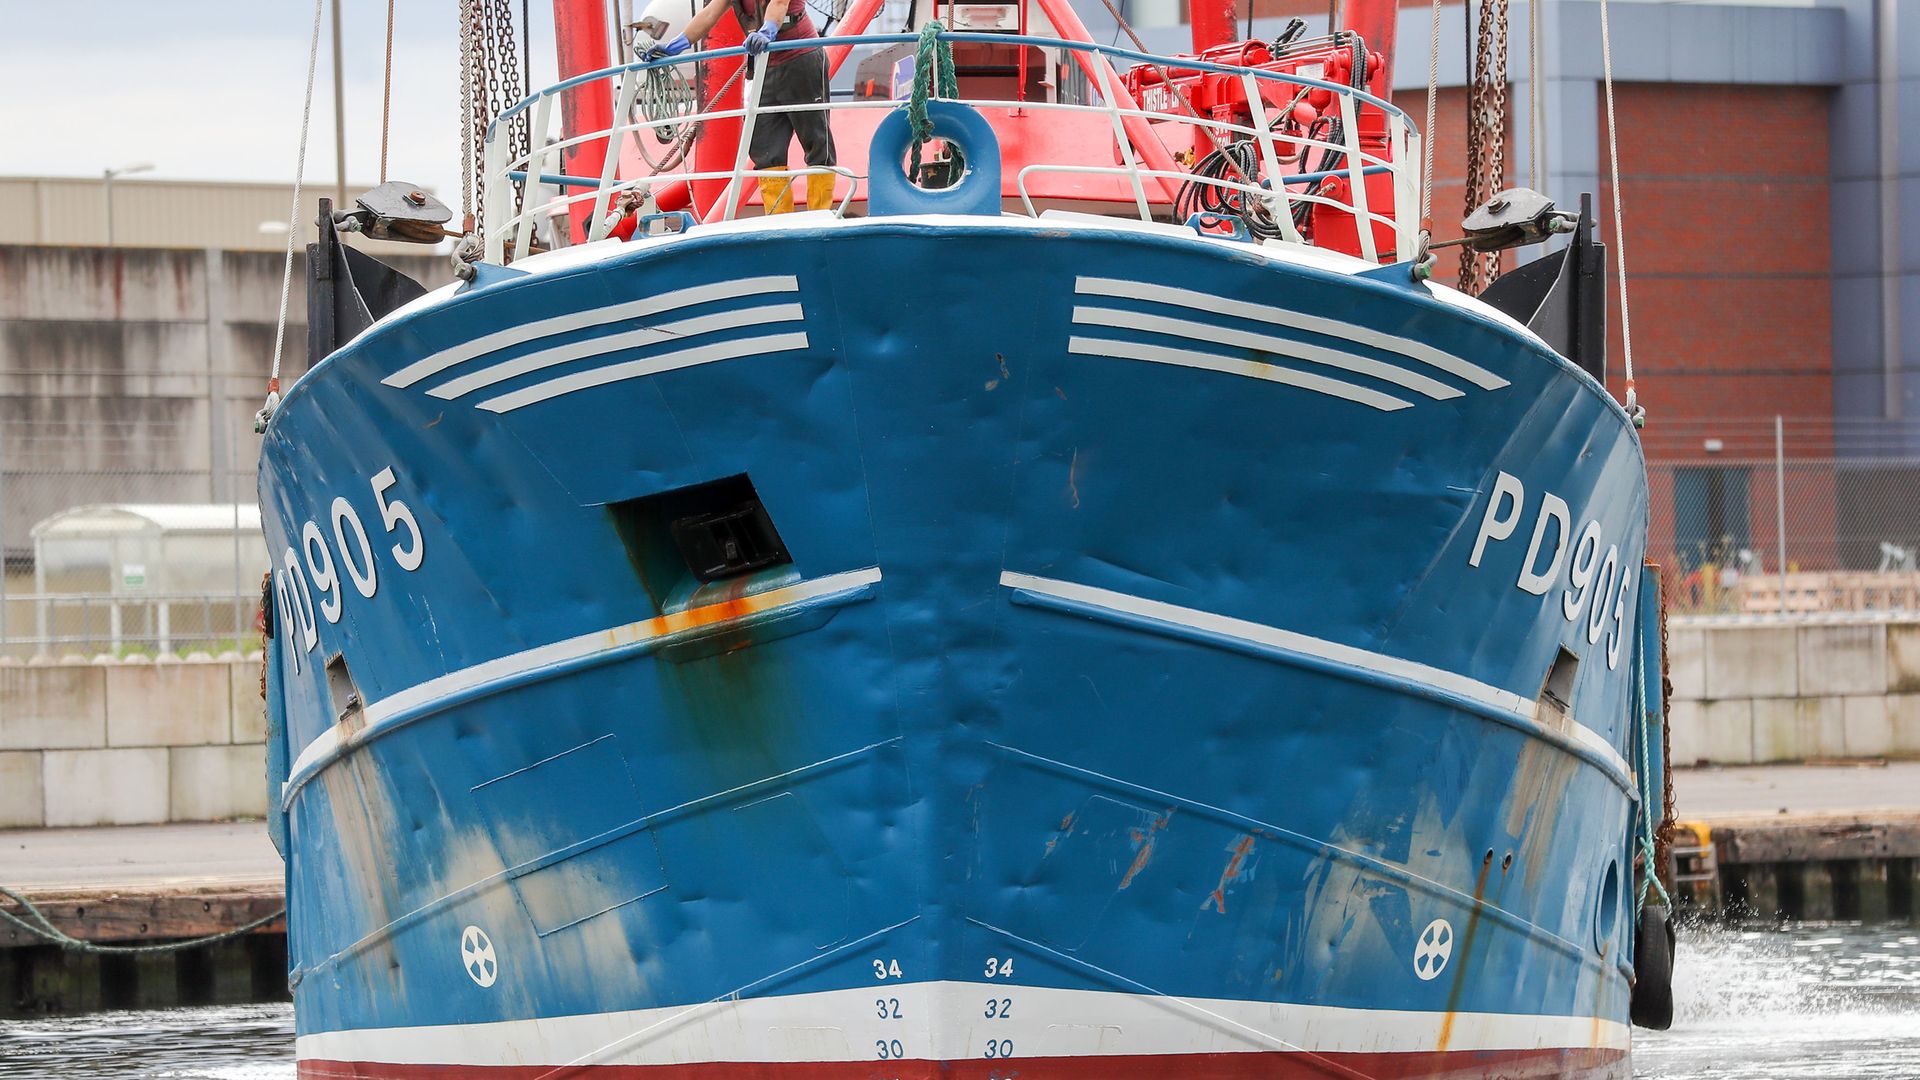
{"x":776,"y":194}
{"x":820,"y":191}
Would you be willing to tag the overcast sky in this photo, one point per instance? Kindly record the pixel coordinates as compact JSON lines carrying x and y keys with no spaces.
{"x":211,"y":89}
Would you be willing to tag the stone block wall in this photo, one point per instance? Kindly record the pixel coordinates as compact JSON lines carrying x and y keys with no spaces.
{"x":1748,"y":693}
{"x":131,"y":742}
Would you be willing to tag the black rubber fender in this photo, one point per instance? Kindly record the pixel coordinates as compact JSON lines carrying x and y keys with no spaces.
{"x":1653,"y":947}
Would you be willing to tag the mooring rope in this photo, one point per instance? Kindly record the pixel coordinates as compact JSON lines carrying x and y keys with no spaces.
{"x":265,"y":414}
{"x":933,"y":76}
{"x":1632,"y":402}
{"x":37,"y":924}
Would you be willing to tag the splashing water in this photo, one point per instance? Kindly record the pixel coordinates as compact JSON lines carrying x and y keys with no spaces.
{"x":1809,"y":1002}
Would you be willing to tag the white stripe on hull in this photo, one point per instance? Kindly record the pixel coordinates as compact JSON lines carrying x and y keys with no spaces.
{"x":1232,"y":365}
{"x":333,"y":741}
{"x":1199,"y":301}
{"x":946,"y":1021}
{"x":581,"y":320}
{"x":1352,"y":656}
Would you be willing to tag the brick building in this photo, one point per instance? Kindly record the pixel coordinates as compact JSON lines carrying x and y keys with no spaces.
{"x":1773,"y":217}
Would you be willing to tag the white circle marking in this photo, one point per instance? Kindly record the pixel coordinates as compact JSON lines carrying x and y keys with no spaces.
{"x":476,"y":954}
{"x":1434,"y":948}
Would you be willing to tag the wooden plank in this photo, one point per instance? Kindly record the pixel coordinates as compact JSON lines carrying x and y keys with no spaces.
{"x":125,"y":915}
{"x":1817,"y":839}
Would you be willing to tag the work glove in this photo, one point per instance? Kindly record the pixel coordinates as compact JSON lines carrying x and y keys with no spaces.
{"x":758,"y":41}
{"x":675,"y":47}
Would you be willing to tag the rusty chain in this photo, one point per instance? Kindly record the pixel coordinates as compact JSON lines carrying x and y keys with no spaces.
{"x":1486,"y":135}
{"x":491,"y":82}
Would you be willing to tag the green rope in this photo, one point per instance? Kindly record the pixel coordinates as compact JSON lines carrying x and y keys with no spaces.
{"x":37,"y":924}
{"x":1644,"y":782}
{"x":933,"y":77}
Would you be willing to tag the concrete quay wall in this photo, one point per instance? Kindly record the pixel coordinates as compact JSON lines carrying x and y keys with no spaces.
{"x":131,"y":742}
{"x":1758,"y":692}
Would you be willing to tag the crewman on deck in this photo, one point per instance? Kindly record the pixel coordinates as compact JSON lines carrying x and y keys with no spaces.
{"x":792,"y":77}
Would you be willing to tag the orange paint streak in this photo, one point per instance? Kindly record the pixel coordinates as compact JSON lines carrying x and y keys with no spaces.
{"x":1218,"y":898}
{"x":1466,"y":950}
{"x":1144,"y":841}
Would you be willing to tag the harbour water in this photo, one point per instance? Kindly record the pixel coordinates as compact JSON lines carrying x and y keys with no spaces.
{"x":1815,"y":1002}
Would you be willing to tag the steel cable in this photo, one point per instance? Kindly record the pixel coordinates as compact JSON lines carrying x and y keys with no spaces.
{"x":293,"y":232}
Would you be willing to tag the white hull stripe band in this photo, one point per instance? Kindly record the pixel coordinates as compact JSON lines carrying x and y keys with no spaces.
{"x":1199,"y":301}
{"x":1207,"y":333}
{"x":1349,"y":655}
{"x":333,"y":741}
{"x":947,"y":1021}
{"x":581,"y":320}
{"x":661,"y":334}
{"x":644,"y":367}
{"x":1231,"y":365}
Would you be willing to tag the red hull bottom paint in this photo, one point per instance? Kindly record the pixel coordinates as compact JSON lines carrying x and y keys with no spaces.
{"x":1575,"y":1064}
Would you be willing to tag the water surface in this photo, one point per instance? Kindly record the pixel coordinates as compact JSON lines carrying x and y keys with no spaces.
{"x":1806,"y":1003}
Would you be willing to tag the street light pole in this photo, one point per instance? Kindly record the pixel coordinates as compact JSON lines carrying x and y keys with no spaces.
{"x":106,"y":176}
{"x":339,"y":119}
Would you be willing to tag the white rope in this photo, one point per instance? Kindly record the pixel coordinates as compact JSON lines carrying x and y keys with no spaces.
{"x":1426,"y":132}
{"x":1619,"y":222}
{"x":293,"y":229}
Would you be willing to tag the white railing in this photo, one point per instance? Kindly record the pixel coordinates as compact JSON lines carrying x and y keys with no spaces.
{"x":89,"y":622}
{"x":1280,"y":182}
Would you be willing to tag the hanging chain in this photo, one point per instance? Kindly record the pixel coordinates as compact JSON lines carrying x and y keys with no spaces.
{"x":491,"y":82}
{"x":1486,"y":136}
{"x":469,"y":148}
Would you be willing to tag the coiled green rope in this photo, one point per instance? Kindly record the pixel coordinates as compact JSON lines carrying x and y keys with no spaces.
{"x":37,"y":924}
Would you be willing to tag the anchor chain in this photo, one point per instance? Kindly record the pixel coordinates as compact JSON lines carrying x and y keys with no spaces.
{"x":1486,"y":136}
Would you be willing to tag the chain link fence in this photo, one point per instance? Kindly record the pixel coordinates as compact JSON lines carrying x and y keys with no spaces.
{"x":1787,"y":517}
{"x":127,"y":562}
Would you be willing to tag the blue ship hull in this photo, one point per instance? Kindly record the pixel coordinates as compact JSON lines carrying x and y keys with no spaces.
{"x":1194,"y":659}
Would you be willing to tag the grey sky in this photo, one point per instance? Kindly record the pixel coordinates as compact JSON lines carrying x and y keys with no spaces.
{"x":211,"y":89}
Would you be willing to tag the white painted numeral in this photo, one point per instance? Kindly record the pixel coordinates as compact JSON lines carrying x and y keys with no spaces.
{"x":998,"y":968}
{"x":886,"y":969}
{"x":1586,"y":559}
{"x":1602,"y":589}
{"x":285,"y":619}
{"x":326,"y":581}
{"x":1619,"y":620}
{"x":302,"y":601}
{"x":999,"y":1048}
{"x":365,"y":582}
{"x":394,"y":513}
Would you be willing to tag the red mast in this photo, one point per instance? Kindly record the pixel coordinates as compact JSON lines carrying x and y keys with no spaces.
{"x":1375,"y":21}
{"x":580,"y":40}
{"x":1213,"y":23}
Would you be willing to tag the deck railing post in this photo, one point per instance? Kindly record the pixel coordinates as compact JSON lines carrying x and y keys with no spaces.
{"x":1120,"y":135}
{"x":1356,"y":177}
{"x":536,"y":167}
{"x":1270,"y":161}
{"x":750,"y":102}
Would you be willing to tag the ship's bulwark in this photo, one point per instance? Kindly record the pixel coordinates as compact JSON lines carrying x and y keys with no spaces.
{"x":1151,"y":690}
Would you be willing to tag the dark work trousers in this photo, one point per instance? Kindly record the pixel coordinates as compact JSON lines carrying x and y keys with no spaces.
{"x":799,"y":81}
